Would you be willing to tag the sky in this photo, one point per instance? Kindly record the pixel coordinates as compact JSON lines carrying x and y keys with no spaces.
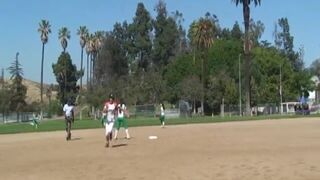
{"x":19,"y":21}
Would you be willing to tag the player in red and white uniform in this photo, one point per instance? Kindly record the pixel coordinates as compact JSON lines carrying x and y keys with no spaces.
{"x":109,"y":110}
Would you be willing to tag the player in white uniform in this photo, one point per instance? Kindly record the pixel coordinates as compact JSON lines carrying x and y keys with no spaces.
{"x":69,"y":118}
{"x":109,"y":109}
{"x":162,"y":115}
{"x":121,"y":120}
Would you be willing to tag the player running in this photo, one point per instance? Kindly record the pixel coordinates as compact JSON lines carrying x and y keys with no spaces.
{"x":109,"y":110}
{"x":162,"y":116}
{"x":122,"y":121}
{"x":68,"y":110}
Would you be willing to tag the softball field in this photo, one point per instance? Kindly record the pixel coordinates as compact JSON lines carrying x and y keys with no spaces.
{"x":287,"y":149}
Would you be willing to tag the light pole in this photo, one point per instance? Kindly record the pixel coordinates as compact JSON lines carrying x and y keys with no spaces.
{"x":240,"y":109}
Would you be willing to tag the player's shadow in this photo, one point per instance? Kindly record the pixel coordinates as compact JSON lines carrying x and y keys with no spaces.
{"x":119,"y":145}
{"x":75,"y":139}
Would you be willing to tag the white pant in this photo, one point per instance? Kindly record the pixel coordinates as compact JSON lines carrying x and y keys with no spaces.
{"x":108,"y":126}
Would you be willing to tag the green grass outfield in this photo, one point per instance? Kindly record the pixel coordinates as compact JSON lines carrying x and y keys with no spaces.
{"x":56,"y":125}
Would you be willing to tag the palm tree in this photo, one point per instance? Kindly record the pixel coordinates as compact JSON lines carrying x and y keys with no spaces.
{"x":88,"y":51}
{"x":99,"y":39}
{"x":64,"y":36}
{"x":94,"y":45}
{"x":93,"y":49}
{"x":44,"y":30}
{"x":83,"y":33}
{"x":246,"y":18}
{"x":202,"y":37}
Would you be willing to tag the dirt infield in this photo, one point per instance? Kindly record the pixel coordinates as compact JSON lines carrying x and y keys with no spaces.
{"x":269,"y":149}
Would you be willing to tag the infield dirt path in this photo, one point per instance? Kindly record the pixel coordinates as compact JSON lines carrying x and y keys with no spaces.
{"x":257,"y":150}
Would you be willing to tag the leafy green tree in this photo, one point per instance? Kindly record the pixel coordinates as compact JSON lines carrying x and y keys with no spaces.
{"x":67,"y":76}
{"x":315,"y":68}
{"x":303,"y":83}
{"x":202,"y":33}
{"x":18,"y":90}
{"x":284,"y":38}
{"x":44,"y":30}
{"x":64,"y":36}
{"x":97,"y":96}
{"x":266,"y":76}
{"x":166,"y":36}
{"x":256,"y":30}
{"x":5,"y":94}
{"x":121,"y":35}
{"x":181,"y":67}
{"x":140,"y":30}
{"x":225,"y":33}
{"x":221,"y":90}
{"x":153,"y":87}
{"x":83,"y":33}
{"x":224,"y":55}
{"x":182,"y":42}
{"x":236,"y":32}
{"x":246,"y":18}
{"x":190,"y":89}
{"x":112,"y":62}
{"x":284,"y":41}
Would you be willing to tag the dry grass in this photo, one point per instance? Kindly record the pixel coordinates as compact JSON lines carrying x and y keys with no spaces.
{"x":33,"y":91}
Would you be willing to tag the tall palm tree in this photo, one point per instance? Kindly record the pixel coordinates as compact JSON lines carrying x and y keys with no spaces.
{"x":96,"y":47}
{"x":246,"y":18}
{"x":99,"y":39}
{"x":202,"y":37}
{"x":44,"y":30}
{"x":83,"y":33}
{"x":64,"y":36}
{"x":93,"y":51}
{"x":88,"y":51}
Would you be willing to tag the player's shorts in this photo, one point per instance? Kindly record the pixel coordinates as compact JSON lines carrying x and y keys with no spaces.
{"x":162,"y":118}
{"x":121,"y":122}
{"x":108,"y":126}
{"x":68,"y":118}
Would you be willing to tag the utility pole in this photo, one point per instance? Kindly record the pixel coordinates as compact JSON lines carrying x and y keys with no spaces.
{"x":240,"y":109}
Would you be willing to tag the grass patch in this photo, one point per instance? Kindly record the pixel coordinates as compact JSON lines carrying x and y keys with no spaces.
{"x":57,"y":125}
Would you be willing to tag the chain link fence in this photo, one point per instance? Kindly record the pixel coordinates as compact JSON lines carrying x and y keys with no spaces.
{"x":16,"y":117}
{"x":184,"y":109}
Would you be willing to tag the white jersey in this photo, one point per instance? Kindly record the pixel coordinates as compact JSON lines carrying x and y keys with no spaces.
{"x":110,"y":111}
{"x":121,"y":112}
{"x":162,"y":111}
{"x":68,"y":110}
